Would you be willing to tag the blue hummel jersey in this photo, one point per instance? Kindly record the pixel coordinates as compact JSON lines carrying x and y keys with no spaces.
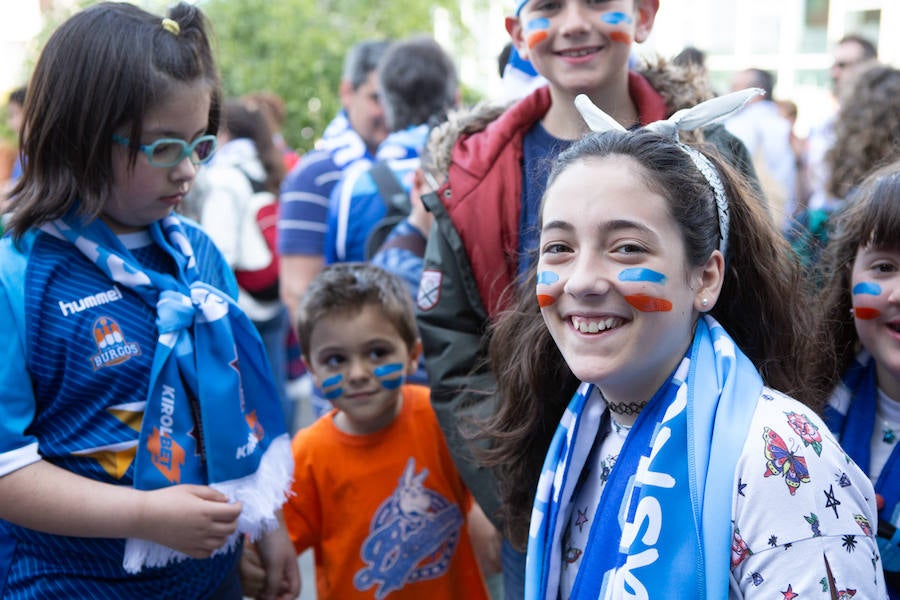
{"x":75,"y":358}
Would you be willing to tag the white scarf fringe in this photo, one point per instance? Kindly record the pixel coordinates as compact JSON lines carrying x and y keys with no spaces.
{"x":261,"y":493}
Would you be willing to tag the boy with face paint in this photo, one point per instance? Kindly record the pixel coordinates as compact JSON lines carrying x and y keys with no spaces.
{"x":376,"y":494}
{"x":486,"y":212}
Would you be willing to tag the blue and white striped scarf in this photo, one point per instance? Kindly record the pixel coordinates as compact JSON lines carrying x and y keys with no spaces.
{"x":210,"y":382}
{"x":663,"y":525}
{"x":342,"y":142}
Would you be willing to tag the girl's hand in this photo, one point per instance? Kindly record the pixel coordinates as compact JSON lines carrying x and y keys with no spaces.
{"x":282,"y":575}
{"x":193,"y":519}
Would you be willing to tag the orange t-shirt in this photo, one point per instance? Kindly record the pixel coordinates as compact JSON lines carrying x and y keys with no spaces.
{"x":386,"y":512}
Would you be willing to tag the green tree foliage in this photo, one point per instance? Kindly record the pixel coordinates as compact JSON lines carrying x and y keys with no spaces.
{"x":296,"y":49}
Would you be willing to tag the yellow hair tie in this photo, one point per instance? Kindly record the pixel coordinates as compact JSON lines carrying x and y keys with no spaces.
{"x":171,"y":26}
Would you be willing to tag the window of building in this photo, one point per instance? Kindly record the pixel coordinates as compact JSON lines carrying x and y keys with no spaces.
{"x":865,"y":23}
{"x":814,"y":37}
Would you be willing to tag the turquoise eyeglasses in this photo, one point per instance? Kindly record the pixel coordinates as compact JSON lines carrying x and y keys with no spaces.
{"x":168,"y":152}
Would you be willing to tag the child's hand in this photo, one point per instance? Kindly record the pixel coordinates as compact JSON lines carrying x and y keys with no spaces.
{"x":253,"y":574}
{"x":282,"y":576}
{"x":486,"y":540}
{"x":192,"y":519}
{"x":419,"y":217}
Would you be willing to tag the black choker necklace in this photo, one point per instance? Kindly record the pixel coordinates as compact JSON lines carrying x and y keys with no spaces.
{"x":629,"y":408}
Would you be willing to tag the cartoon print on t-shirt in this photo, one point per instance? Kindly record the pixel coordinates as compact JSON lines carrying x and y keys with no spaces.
{"x":412,"y":538}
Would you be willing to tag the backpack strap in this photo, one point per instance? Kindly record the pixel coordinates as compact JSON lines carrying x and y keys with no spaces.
{"x":414,"y":242}
{"x":389,"y":187}
{"x":396,"y":203}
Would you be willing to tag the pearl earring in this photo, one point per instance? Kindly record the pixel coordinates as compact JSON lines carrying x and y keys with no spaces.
{"x":704,"y":302}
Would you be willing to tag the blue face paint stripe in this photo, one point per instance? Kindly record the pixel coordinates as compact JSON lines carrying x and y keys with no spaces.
{"x":547,"y":277}
{"x":392,"y":384}
{"x":332,"y":381}
{"x":872,"y":289}
{"x":616,"y":18}
{"x":333,"y":394}
{"x":386,"y":374}
{"x":638,"y":274}
{"x":537,"y":24}
{"x":385,"y":370}
{"x":328,"y":387}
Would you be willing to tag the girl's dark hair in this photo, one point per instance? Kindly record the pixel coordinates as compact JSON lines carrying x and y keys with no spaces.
{"x":347,"y":288}
{"x":871,"y":218}
{"x":241,"y":119}
{"x":761,"y":305}
{"x":101,"y":71}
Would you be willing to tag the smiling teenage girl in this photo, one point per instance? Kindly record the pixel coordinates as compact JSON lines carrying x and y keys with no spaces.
{"x":859,"y":322}
{"x":657,"y":271}
{"x":140,"y":432}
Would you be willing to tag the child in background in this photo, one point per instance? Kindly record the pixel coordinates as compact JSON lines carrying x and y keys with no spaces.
{"x":14,"y":108}
{"x":140,"y":430}
{"x":272,"y":105}
{"x":858,"y":357}
{"x":14,"y":113}
{"x":376,"y":492}
{"x":675,"y":471}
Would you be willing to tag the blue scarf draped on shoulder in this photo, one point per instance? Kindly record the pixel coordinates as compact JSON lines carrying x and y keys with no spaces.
{"x":668,"y":499}
{"x":212,"y":415}
{"x":850,"y":415}
{"x":342,"y":143}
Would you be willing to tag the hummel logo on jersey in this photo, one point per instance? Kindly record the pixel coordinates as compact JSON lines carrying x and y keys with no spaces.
{"x":76,"y":306}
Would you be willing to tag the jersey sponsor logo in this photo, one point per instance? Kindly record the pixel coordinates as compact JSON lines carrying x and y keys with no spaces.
{"x":166,"y":453}
{"x":412,"y":536}
{"x":254,"y":436}
{"x":112,"y":347}
{"x":429,"y":289}
{"x":81,"y":304}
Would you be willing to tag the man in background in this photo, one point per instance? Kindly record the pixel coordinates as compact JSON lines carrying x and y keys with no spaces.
{"x":767,"y":136}
{"x":851,"y":54}
{"x":352,"y":136}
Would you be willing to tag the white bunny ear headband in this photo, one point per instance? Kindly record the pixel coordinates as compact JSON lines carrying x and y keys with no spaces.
{"x":687,"y":119}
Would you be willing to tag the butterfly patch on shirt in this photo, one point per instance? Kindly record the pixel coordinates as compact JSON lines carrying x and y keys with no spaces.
{"x":112,"y":347}
{"x":780,"y":460}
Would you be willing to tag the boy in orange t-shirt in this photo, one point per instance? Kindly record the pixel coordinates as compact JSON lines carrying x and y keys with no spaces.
{"x":376,"y":494}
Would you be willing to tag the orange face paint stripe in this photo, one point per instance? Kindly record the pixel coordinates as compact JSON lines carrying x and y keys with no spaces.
{"x":645,"y":303}
{"x":545,"y":300}
{"x":535,"y":38}
{"x":866,"y":313}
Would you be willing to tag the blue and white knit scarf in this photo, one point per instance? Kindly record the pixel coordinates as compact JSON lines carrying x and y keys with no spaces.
{"x":342,"y":142}
{"x":663,"y":526}
{"x":212,"y":415}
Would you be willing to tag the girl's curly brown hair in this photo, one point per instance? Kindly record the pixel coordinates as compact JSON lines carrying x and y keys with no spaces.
{"x":867,"y":132}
